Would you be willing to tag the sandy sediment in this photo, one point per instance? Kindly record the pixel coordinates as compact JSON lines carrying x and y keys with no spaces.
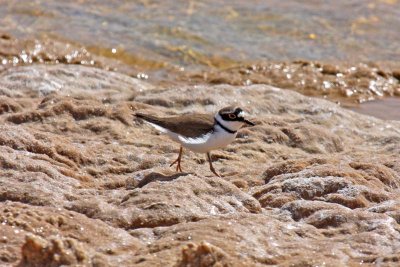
{"x":84,"y":182}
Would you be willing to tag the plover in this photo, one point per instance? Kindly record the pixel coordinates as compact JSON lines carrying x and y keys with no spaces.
{"x":200,"y":133}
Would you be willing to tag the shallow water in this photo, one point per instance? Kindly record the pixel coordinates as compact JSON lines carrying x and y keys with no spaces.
{"x":387,"y":108}
{"x":217,"y":32}
{"x":160,"y":40}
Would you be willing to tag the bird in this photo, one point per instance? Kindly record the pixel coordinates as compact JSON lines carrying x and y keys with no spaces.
{"x":200,"y":133}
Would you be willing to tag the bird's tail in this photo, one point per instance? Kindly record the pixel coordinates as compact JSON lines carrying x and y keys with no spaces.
{"x":147,"y":117}
{"x":153,"y":121}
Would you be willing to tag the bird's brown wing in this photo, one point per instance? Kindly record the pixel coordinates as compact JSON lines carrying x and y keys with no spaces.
{"x":190,"y":125}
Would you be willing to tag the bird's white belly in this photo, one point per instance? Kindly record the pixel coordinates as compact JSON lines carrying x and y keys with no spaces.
{"x":206,"y":143}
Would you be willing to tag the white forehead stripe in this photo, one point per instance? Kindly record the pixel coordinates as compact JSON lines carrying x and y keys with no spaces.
{"x":241,"y":114}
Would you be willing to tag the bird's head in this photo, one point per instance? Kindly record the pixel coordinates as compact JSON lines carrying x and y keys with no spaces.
{"x":233,"y":118}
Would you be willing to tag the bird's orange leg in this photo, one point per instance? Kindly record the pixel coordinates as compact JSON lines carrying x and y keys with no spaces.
{"x":211,"y":166}
{"x":178,"y":160}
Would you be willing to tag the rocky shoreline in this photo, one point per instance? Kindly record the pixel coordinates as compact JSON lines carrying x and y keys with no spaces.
{"x":83,"y":182}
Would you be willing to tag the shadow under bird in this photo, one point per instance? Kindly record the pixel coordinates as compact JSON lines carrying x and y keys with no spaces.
{"x":200,"y":133}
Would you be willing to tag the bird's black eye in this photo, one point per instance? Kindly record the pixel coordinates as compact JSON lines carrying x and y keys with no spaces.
{"x":232,"y":116}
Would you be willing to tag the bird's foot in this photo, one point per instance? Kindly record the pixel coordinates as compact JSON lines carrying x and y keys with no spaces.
{"x":178,"y":164}
{"x":173,"y":163}
{"x":213,"y":171}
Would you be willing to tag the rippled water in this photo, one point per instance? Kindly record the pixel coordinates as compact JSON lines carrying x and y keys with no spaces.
{"x":218,"y":34}
{"x":209,"y":32}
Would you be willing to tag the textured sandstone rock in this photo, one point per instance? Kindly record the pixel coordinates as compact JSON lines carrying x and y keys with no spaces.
{"x":203,"y":254}
{"x":56,"y":252}
{"x":311,"y":184}
{"x":187,"y":198}
{"x":55,"y":236}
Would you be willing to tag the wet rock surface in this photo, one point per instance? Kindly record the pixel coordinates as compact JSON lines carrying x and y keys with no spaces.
{"x":84,"y":182}
{"x":346,"y":83}
{"x":15,"y":51}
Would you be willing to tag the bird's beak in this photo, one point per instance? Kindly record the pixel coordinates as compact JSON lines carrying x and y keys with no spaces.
{"x":249,"y":122}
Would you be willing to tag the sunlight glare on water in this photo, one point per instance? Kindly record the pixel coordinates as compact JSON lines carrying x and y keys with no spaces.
{"x":216,"y":32}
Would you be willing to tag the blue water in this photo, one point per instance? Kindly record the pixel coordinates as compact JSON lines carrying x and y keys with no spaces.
{"x":173,"y":30}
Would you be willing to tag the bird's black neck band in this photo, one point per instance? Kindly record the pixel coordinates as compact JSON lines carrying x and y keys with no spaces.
{"x":223,"y":127}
